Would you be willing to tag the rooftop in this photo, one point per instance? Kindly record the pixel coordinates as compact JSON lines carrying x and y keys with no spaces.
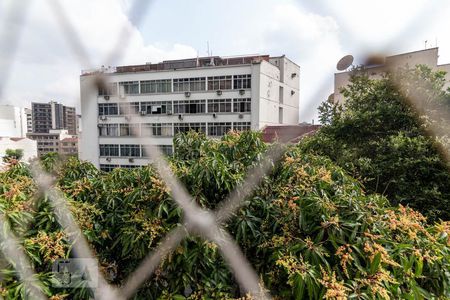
{"x":70,"y":140}
{"x":198,"y":62}
{"x":288,"y":133}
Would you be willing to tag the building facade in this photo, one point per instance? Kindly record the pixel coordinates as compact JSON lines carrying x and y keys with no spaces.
{"x":427,"y":57}
{"x":53,"y":115}
{"x":148,"y":104}
{"x":13,"y":121}
{"x":56,"y":140}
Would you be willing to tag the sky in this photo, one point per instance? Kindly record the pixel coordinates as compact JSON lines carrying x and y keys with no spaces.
{"x":44,"y":44}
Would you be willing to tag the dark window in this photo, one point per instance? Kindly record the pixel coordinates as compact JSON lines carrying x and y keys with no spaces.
{"x":242,"y":81}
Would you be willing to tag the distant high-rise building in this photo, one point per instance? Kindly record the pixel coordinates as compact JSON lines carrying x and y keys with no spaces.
{"x":29,"y":120}
{"x":70,"y":119}
{"x":53,"y":115}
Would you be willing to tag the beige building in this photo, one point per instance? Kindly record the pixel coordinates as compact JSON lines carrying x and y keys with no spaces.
{"x":69,"y":146}
{"x":59,"y":141}
{"x":427,"y":57}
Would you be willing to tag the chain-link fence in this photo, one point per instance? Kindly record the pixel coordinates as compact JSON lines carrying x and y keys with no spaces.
{"x":197,"y":221}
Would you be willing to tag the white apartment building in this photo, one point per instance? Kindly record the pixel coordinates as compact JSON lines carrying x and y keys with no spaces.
{"x":427,"y":57}
{"x":13,"y":121}
{"x":149,"y":104}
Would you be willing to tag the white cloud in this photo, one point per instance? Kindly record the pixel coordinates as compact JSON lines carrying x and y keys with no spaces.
{"x":45,"y":66}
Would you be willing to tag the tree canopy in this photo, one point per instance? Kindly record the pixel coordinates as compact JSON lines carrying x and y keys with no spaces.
{"x":392,"y":134}
{"x":309,"y":229}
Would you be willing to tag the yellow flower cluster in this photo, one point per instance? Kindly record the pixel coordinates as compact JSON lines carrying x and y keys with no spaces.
{"x":51,"y":246}
{"x":409,"y":222}
{"x":332,"y":221}
{"x":293,"y":266}
{"x":335,"y":289}
{"x":375,"y":282}
{"x":345,"y":254}
{"x":373,"y":248}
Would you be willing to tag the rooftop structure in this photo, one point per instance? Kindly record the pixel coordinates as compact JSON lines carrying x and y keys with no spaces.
{"x":376,"y":68}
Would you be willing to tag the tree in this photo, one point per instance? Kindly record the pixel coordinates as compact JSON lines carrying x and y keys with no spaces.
{"x":13,"y":154}
{"x":309,"y":230}
{"x":387,"y":135}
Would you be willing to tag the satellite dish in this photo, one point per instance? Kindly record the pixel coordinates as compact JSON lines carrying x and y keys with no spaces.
{"x":344,"y":63}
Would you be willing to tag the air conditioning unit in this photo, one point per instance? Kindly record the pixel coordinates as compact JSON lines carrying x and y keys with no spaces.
{"x":103,"y":118}
{"x":169,"y":113}
{"x":241,"y":115}
{"x":127,"y":118}
{"x":219,"y":92}
{"x":293,"y":75}
{"x":241,"y":92}
{"x":180,"y":117}
{"x":122,"y":96}
{"x":108,"y":159}
{"x":143,"y":112}
{"x":131,"y":159}
{"x":106,"y":97}
{"x":214,"y":115}
{"x":187,"y":94}
{"x":292,"y":92}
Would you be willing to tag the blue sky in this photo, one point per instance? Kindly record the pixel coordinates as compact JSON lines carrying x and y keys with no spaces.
{"x":315,"y":34}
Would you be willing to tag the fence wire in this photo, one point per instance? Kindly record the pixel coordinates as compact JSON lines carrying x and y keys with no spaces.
{"x":197,"y":221}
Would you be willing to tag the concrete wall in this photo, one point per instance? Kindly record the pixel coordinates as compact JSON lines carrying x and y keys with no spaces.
{"x":427,"y":57}
{"x":28,"y":146}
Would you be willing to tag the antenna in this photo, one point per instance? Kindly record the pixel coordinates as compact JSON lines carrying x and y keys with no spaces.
{"x":426,"y":41}
{"x":207,"y":48}
{"x":344,"y":63}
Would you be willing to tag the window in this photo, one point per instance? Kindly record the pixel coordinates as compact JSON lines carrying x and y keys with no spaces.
{"x":129,"y":130}
{"x":156,"y":129}
{"x":108,"y":129}
{"x":219,"y":83}
{"x":189,"y":107}
{"x":129,"y":166}
{"x":108,"y":168}
{"x":166,"y":149}
{"x":241,"y":126}
{"x":156,"y":86}
{"x":189,"y":84}
{"x":108,"y":109}
{"x":242,"y":81}
{"x":109,"y":150}
{"x":129,"y":87}
{"x":128,"y":108}
{"x":130,"y":150}
{"x":242,"y":105}
{"x":218,"y":129}
{"x":185,"y":127}
{"x":157,"y":107}
{"x":108,"y":89}
{"x":219,"y":105}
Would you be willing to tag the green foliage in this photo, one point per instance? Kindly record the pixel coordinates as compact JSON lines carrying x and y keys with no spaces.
{"x":384,"y":140}
{"x":309,"y":230}
{"x":13,"y":154}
